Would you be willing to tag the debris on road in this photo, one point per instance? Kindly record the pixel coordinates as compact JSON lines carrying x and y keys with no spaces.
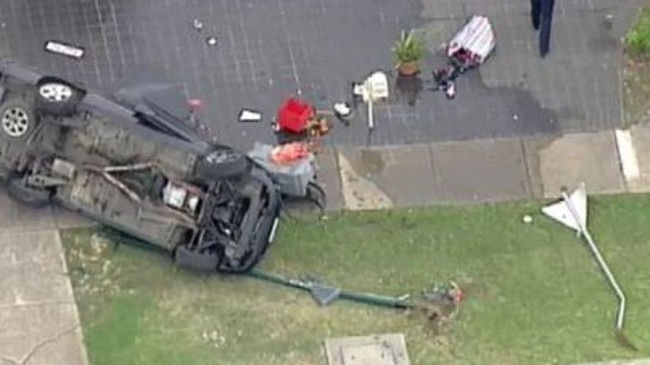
{"x":343,"y":111}
{"x":197,"y":24}
{"x":373,"y":89}
{"x":298,"y":120}
{"x":64,"y":49}
{"x":211,"y":41}
{"x":249,"y":116}
{"x":468,"y":49}
{"x":293,"y":167}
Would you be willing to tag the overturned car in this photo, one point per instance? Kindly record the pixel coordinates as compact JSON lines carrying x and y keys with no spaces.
{"x":130,"y":163}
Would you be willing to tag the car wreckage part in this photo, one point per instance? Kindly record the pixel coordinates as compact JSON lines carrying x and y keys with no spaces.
{"x":18,"y":190}
{"x":185,"y":216}
{"x":314,"y":201}
{"x":55,"y":92}
{"x":56,"y":97}
{"x":17,"y":118}
{"x":55,"y":131}
{"x":235,"y":227}
{"x":222,"y":163}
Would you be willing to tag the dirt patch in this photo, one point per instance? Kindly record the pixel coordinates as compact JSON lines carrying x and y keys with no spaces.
{"x":636,"y":88}
{"x":91,"y":267}
{"x":477,"y":290}
{"x":436,"y":316}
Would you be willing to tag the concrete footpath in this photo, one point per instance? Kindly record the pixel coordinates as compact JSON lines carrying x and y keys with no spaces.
{"x":38,"y":314}
{"x":39,"y":324}
{"x":486,"y":170}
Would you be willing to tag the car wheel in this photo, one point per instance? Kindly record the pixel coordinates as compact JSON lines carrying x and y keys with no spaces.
{"x":222,"y":163}
{"x":314,"y":202}
{"x":56,"y":97}
{"x":17,"y":118}
{"x":198,"y":261}
{"x":317,"y":195}
{"x":33,"y":197}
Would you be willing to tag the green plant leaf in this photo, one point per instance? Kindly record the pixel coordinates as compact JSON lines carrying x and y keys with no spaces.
{"x":410,"y":47}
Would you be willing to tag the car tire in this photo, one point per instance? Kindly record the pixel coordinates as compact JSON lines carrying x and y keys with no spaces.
{"x":314,"y":202}
{"x":17,"y":119}
{"x":222,"y":164}
{"x":57,"y":97}
{"x":198,"y":261}
{"x":316,"y":195}
{"x":32,"y":197}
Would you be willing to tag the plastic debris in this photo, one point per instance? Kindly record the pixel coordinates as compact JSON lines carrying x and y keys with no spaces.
{"x":288,"y":153}
{"x":197,"y":24}
{"x":450,"y":90}
{"x":64,"y":49}
{"x":195,"y":104}
{"x":211,"y":41}
{"x":249,"y":116}
{"x":342,"y":109}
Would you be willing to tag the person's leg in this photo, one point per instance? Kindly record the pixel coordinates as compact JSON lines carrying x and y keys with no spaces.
{"x":546,"y":22}
{"x":535,"y":12}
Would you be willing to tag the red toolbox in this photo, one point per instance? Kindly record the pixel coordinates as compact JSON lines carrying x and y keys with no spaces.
{"x":294,"y":115}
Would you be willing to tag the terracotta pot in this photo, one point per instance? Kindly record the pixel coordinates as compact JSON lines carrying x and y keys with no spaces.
{"x":408,"y":68}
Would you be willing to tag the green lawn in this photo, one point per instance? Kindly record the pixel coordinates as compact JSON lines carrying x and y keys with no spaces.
{"x":638,"y":38}
{"x":636,"y":71}
{"x":535,"y":295}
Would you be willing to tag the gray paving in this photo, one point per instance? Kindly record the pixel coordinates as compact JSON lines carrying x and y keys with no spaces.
{"x":480,"y":171}
{"x":402,"y":173}
{"x":269,"y":49}
{"x":578,"y":83}
{"x":38,"y":314}
{"x":592,"y":158}
{"x":486,"y":170}
{"x":329,"y":178}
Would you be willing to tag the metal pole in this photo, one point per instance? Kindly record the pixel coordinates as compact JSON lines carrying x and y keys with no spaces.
{"x":620,"y":318}
{"x":371,"y":117}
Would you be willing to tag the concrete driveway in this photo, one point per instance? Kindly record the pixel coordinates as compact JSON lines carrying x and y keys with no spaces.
{"x":270,"y":49}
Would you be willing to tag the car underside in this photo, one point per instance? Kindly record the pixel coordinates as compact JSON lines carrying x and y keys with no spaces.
{"x":126,"y":164}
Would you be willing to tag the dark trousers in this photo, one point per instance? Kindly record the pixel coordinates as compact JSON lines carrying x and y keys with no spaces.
{"x":542,"y":17}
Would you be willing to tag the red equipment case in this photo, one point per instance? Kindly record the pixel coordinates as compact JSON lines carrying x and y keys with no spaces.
{"x":294,"y":115}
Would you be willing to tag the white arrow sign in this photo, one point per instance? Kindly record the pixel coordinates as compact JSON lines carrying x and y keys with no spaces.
{"x":561,"y":211}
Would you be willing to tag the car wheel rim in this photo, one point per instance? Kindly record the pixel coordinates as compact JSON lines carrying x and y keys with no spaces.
{"x":223,"y":157}
{"x":15,"y":122}
{"x":55,"y":92}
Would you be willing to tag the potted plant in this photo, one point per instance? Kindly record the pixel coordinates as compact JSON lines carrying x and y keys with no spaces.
{"x":409,"y":50}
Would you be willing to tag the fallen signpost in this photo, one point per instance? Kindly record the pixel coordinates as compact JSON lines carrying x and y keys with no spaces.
{"x":571,"y":211}
{"x":438,"y":305}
